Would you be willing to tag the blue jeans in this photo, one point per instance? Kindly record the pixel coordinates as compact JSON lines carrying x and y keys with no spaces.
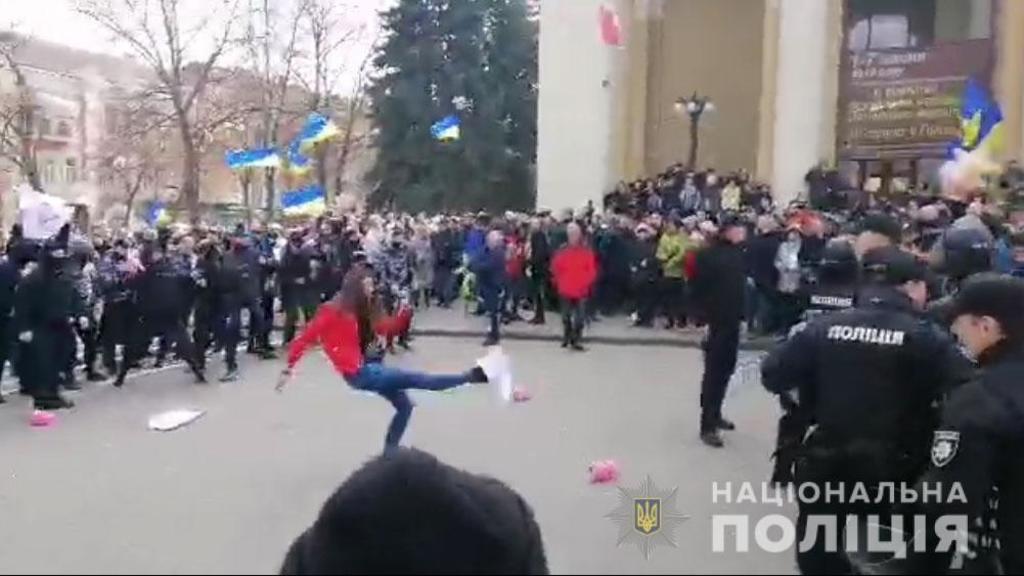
{"x":392,"y":383}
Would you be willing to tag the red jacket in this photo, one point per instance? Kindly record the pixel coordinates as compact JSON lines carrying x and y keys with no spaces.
{"x":574,"y":270}
{"x":392,"y":326}
{"x":338,"y":332}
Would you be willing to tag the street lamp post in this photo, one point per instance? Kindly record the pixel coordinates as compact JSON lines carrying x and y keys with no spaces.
{"x":694,"y":107}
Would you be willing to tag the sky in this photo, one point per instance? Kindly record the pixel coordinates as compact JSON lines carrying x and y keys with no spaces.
{"x":58,"y":21}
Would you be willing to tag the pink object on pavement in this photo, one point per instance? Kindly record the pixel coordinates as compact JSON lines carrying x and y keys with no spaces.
{"x":41,"y":419}
{"x":521,"y":395}
{"x":604,"y":472}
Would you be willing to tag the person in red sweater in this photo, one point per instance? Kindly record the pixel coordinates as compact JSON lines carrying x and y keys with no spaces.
{"x":574,"y":271}
{"x":344,"y":329}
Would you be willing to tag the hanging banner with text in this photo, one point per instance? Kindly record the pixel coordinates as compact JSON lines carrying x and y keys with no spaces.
{"x":905,"y":102}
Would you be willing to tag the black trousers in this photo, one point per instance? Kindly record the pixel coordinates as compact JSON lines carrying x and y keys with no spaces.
{"x":673,"y":298}
{"x":40,"y":371}
{"x":646,"y":293}
{"x":7,"y":340}
{"x":117,"y":324}
{"x":538,"y":292}
{"x":291,"y":317}
{"x":574,"y":314}
{"x":166,"y":326}
{"x":206,"y":328}
{"x":720,"y":351}
{"x":233,"y":328}
{"x":89,"y":337}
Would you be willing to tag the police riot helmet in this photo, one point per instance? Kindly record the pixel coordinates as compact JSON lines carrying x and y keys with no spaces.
{"x":966,"y":251}
{"x":839,"y":263}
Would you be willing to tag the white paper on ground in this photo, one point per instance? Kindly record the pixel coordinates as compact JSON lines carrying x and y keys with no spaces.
{"x":173,"y":419}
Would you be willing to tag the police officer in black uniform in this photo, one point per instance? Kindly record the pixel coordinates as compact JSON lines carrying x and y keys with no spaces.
{"x":44,"y":313}
{"x":207,"y":318}
{"x":980,"y":441}
{"x":298,"y":294}
{"x":868,"y":378}
{"x":240,"y":289}
{"x":160,"y":301}
{"x":119,"y":318}
{"x":836,"y":289}
{"x":719,"y":291}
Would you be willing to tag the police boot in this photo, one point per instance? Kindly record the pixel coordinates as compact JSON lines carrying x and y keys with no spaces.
{"x":231,"y":375}
{"x":58,"y":403}
{"x":726,"y":425}
{"x":712,"y":439}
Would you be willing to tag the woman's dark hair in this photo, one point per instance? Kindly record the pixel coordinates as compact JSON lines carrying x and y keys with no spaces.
{"x":352,"y":298}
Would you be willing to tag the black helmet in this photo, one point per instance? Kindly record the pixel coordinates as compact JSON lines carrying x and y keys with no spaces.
{"x":966,"y":251}
{"x":838,"y":264}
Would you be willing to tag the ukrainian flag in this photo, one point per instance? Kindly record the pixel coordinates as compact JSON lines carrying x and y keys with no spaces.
{"x":298,"y":163}
{"x":447,"y":129}
{"x":258,"y":158}
{"x":158,"y":215}
{"x":318,"y":128}
{"x":981,"y":120}
{"x":307,"y":201}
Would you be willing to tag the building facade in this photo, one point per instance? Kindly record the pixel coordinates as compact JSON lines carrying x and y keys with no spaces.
{"x":870,"y":85}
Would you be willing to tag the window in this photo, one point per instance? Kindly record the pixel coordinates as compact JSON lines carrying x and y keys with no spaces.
{"x":49,"y":172}
{"x":44,"y":126}
{"x":885,"y":24}
{"x":63,"y":129}
{"x":70,"y":170}
{"x":111,"y":116}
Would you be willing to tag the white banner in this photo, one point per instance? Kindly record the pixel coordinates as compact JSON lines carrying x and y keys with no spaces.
{"x":41,"y":215}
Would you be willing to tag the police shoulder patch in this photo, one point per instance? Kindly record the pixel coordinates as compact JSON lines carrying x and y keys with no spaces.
{"x":944,"y":447}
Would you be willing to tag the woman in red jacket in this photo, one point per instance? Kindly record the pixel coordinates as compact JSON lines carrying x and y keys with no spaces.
{"x":344,"y":328}
{"x":574,"y":270}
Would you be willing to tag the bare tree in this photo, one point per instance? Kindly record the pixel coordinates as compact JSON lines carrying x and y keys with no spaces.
{"x":326,"y":32}
{"x":354,"y":110}
{"x":17,"y":114}
{"x":133,"y":157}
{"x":153,"y":30}
{"x":272,"y":38}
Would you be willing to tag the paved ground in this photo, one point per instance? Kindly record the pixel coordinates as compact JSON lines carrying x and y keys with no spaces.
{"x":100,"y":493}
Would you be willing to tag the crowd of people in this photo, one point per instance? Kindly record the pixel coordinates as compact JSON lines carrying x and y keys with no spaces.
{"x":189,"y":287}
{"x":683,"y":249}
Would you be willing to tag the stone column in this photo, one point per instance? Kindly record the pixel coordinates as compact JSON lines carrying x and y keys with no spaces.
{"x":576,"y":110}
{"x":807,"y":67}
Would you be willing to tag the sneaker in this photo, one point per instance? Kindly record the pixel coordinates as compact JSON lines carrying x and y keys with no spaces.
{"x":712,"y":439}
{"x":200,"y":376}
{"x":118,"y":382}
{"x":230,"y":376}
{"x":497,"y":367}
{"x":491,"y":341}
{"x":726,"y":425}
{"x":577,"y":347}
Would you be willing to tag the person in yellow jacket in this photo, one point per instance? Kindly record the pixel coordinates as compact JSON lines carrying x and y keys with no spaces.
{"x":672,"y":249}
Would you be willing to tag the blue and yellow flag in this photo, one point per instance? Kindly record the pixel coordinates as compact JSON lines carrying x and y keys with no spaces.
{"x":158,"y":215}
{"x":981,"y":120}
{"x":258,"y":158}
{"x":317,"y":129}
{"x":298,"y":163}
{"x":307,"y":201}
{"x":447,"y":129}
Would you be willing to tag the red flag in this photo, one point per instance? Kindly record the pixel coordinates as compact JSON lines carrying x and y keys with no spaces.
{"x":611,"y":27}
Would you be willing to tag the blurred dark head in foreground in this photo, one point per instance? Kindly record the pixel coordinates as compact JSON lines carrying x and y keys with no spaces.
{"x":407,"y":513}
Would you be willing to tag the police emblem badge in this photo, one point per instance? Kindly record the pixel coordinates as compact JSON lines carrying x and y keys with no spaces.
{"x":944,"y":448}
